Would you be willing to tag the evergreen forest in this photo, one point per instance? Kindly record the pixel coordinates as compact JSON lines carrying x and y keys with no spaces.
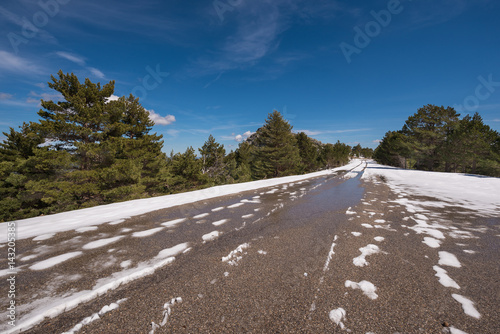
{"x":89,"y":150}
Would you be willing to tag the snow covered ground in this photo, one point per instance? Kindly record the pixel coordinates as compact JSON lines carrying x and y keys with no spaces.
{"x":474,"y":192}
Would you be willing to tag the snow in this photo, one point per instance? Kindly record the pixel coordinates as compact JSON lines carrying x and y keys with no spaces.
{"x":337,"y":315}
{"x":95,"y":316}
{"x":474,"y":192}
{"x":172,"y":251}
{"x":330,"y":255}
{"x":444,"y":279}
{"x":367,"y":225}
{"x":220,"y":222}
{"x":202,"y":215}
{"x":236,"y":255}
{"x":53,"y":261}
{"x":101,"y":242}
{"x":349,"y":212}
{"x":86,"y":229}
{"x":118,"y":212}
{"x":218,"y":209}
{"x":448,"y":259}
{"x":44,"y":237}
{"x":174,"y":222}
{"x":247,"y":216}
{"x":235,"y":205}
{"x":431,"y":242}
{"x":211,"y":236}
{"x":356,"y":234}
{"x":379,"y":239}
{"x":147,"y":233}
{"x":370,"y":249}
{"x":367,"y":287}
{"x":125,"y":264}
{"x":454,"y":330}
{"x":467,"y":305}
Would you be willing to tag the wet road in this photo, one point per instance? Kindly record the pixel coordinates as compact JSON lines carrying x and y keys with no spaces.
{"x":286,"y":259}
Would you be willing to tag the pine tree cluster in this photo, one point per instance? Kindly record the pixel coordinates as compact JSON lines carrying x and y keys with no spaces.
{"x":436,"y":139}
{"x":89,"y":149}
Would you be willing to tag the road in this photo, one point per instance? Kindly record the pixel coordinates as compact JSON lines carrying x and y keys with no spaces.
{"x":327,"y":255}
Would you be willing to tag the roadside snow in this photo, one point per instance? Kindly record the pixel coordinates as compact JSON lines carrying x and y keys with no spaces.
{"x":173,"y":222}
{"x":220,"y":222}
{"x":118,"y":212}
{"x":211,"y":236}
{"x":370,"y":249}
{"x":444,"y":279}
{"x":474,"y":192}
{"x":337,"y":316}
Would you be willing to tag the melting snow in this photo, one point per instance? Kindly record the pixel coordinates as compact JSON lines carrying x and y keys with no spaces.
{"x":147,"y":233}
{"x":337,"y":316}
{"x":102,"y":242}
{"x":448,"y":259}
{"x":356,"y":234}
{"x":202,"y":215}
{"x":444,"y":279}
{"x":235,"y":255}
{"x":467,"y":305}
{"x":220,"y":222}
{"x":367,"y":287}
{"x":431,"y":242}
{"x":173,"y":222}
{"x":54,"y":261}
{"x":370,"y":249}
{"x":211,"y":236}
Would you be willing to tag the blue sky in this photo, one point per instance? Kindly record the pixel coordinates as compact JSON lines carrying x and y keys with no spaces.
{"x":337,"y":70}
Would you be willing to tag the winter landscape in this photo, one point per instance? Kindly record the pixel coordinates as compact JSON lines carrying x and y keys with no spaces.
{"x":393,"y":251}
{"x":235,"y":166}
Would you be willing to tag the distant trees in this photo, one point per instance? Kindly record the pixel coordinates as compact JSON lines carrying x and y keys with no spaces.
{"x":435,"y":138}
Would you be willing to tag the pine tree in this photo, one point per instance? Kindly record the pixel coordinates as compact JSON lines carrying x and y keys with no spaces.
{"x":426,"y":131}
{"x":308,"y":152}
{"x":277,"y":152}
{"x":212,"y":158}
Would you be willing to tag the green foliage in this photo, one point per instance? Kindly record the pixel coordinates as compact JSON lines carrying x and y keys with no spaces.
{"x":84,"y":151}
{"x":277,"y":153}
{"x":435,"y":138}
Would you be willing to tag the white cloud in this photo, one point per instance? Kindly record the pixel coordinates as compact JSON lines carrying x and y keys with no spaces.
{"x":96,"y":72}
{"x":5,"y":96}
{"x":239,"y":138}
{"x":12,"y":63}
{"x":159,"y":120}
{"x":72,"y":57}
{"x":377,"y":141}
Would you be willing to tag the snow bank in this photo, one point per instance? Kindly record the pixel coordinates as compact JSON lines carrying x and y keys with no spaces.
{"x":71,"y":220}
{"x":474,"y":192}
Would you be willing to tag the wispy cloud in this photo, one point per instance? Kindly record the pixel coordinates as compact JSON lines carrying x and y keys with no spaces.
{"x":72,"y":57}
{"x":96,"y":72}
{"x":13,"y":63}
{"x":5,"y":96}
{"x":36,"y":97}
{"x":80,"y":60}
{"x":160,"y":120}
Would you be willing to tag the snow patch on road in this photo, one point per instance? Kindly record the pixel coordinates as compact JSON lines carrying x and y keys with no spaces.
{"x":379,"y":239}
{"x":220,"y":222}
{"x":44,"y":237}
{"x":236,"y":255}
{"x":53,"y":261}
{"x":211,"y":236}
{"x":173,"y":222}
{"x":467,"y":305}
{"x":218,"y":209}
{"x":448,"y":259}
{"x":370,"y":249}
{"x":201,"y":215}
{"x":337,"y":315}
{"x":431,"y":242}
{"x":147,"y":233}
{"x":367,"y":287}
{"x":95,"y":316}
{"x":444,"y":279}
{"x":356,"y":234}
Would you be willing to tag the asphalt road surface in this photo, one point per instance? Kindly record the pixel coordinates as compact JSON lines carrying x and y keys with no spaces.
{"x":326,"y":255}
